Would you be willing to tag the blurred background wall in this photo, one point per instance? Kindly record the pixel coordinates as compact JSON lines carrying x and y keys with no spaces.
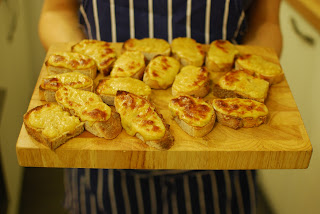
{"x":21,"y":57}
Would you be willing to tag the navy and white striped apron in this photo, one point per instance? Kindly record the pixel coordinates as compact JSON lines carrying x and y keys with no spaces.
{"x":161,"y":191}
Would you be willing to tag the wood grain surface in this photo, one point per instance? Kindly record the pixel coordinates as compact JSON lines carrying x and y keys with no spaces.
{"x":282,"y":143}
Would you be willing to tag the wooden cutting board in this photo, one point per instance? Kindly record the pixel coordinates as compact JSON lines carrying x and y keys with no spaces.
{"x":282,"y":143}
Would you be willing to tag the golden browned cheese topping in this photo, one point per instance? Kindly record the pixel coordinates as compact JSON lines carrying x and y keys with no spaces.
{"x":194,"y":111}
{"x":189,"y":49}
{"x":52,"y":120}
{"x":73,"y":79}
{"x":149,"y":45}
{"x":128,"y":64}
{"x":243,"y":82}
{"x":240,"y":107}
{"x":190,"y":78}
{"x":163,"y":70}
{"x":139,"y":116}
{"x":70,"y":60}
{"x":86,"y":105}
{"x":222,"y":52}
{"x":100,"y":51}
{"x":110,"y":86}
{"x":259,"y":65}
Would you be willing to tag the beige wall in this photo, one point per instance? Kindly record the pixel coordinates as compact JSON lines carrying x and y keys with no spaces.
{"x":298,"y":191}
{"x":19,"y":69}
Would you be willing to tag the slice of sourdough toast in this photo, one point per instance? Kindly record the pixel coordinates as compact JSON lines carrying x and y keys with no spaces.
{"x":262,"y":68}
{"x":195,"y":116}
{"x":63,"y":62}
{"x":187,"y":51}
{"x":50,"y":84}
{"x":99,"y":118}
{"x":241,"y":84}
{"x":102,"y":53}
{"x":192,"y":80}
{"x":237,"y":113}
{"x":140,"y":118}
{"x":149,"y":47}
{"x":221,"y":55}
{"x":107,"y":88}
{"x":51,"y":125}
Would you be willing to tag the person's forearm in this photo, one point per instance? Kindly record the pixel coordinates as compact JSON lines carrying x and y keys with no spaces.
{"x":263,"y":26}
{"x":59,"y":23}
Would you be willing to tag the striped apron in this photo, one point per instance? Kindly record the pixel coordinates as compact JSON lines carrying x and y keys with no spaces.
{"x":161,"y":191}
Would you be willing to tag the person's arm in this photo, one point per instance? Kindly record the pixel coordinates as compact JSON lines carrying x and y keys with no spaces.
{"x":59,"y":22}
{"x":263,"y":25}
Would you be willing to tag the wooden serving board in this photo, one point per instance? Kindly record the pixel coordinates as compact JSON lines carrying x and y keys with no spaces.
{"x":282,"y":143}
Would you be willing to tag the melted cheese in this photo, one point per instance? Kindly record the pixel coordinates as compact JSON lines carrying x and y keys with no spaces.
{"x":163,"y":70}
{"x":100,"y":51}
{"x":222,"y":52}
{"x":244,"y":83}
{"x":195,"y":112}
{"x":190,"y":78}
{"x":87,"y":105}
{"x":139,"y":116}
{"x":73,"y":79}
{"x":70,"y":60}
{"x":149,"y":45}
{"x":259,"y":65}
{"x":240,"y":107}
{"x":128,"y":64}
{"x":112,"y":85}
{"x":189,"y":49}
{"x":53,"y":120}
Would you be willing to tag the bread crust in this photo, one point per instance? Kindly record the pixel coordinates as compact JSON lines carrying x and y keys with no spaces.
{"x":212,"y":66}
{"x":52,"y":143}
{"x":200,"y":92}
{"x":238,"y":122}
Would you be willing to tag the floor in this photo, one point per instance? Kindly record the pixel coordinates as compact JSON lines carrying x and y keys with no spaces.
{"x":43,"y":193}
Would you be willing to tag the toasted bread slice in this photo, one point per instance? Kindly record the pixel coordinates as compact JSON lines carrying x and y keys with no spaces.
{"x":129,"y":64}
{"x":241,"y":84}
{"x":221,"y":55}
{"x":99,"y":118}
{"x":50,"y":84}
{"x":192,"y":81}
{"x":63,"y":62}
{"x":237,"y":113}
{"x":187,"y":51}
{"x":161,"y":72}
{"x":140,"y":118}
{"x":51,"y":125}
{"x":107,"y":88}
{"x":150,"y":47}
{"x":102,"y":53}
{"x":195,"y":116}
{"x":262,"y":68}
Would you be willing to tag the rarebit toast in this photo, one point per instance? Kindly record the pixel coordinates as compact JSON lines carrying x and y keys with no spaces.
{"x":237,"y":113}
{"x":51,"y":125}
{"x":239,"y":83}
{"x":192,"y":80}
{"x":140,"y":118}
{"x":221,"y":55}
{"x":101,"y":52}
{"x":262,"y":68}
{"x":195,"y":116}
{"x":161,"y":72}
{"x":99,"y":118}
{"x":187,"y":51}
{"x":63,"y":62}
{"x":50,"y":84}
{"x":150,"y":47}
{"x":107,"y":88}
{"x":129,"y":64}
